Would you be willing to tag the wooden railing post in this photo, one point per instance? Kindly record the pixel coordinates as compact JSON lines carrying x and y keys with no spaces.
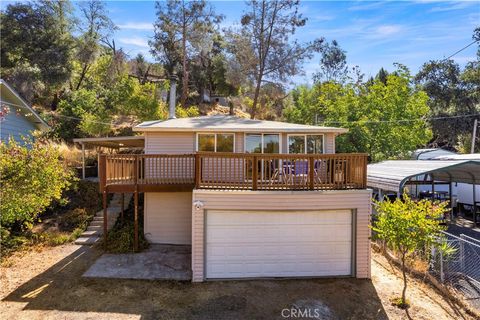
{"x":102,"y":171}
{"x":311,"y":172}
{"x":255,"y":173}
{"x":197,"y":160}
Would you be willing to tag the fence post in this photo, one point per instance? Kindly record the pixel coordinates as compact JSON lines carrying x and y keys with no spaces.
{"x":311,"y":172}
{"x":197,"y":160}
{"x":255,"y":173}
{"x":442,"y":275}
{"x":462,"y":252}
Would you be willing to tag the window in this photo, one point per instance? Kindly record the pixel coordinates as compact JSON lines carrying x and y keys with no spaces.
{"x":215,"y":142}
{"x":307,"y":143}
{"x":262,"y":143}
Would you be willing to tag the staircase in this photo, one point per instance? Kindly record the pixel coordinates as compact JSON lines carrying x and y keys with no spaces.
{"x":94,"y":230}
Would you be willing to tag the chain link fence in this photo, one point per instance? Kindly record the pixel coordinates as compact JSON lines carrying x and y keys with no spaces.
{"x":457,"y":265}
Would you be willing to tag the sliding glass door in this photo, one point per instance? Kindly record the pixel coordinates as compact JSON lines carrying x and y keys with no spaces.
{"x":266,"y":143}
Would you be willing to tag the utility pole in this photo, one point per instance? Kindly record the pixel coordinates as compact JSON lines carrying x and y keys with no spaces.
{"x":474,"y":135}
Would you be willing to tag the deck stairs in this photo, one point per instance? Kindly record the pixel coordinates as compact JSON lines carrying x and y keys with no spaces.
{"x":94,"y":230}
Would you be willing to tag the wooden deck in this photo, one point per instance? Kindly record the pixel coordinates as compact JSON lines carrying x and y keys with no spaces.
{"x":233,"y":171}
{"x":226,"y":171}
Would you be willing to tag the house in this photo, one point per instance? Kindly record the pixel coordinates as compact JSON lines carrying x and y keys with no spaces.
{"x":17,"y":118}
{"x":253,"y":198}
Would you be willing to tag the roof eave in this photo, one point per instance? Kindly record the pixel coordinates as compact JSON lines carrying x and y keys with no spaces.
{"x":286,"y":130}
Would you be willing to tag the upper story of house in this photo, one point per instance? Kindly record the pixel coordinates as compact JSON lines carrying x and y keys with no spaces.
{"x":226,"y":152}
{"x":236,"y":135}
{"x":17,"y":118}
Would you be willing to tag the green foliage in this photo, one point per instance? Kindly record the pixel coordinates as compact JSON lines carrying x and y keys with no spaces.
{"x":408,"y":226}
{"x":121,"y":238}
{"x":32,"y":176}
{"x":36,"y":36}
{"x":384,"y":119}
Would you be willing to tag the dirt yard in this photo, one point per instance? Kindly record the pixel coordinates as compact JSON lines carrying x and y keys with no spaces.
{"x":48,"y":285}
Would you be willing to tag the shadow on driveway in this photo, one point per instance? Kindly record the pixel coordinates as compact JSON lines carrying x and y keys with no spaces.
{"x":63,"y":288}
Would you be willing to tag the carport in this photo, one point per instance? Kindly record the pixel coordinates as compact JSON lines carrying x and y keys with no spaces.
{"x":116,"y":143}
{"x":395,"y":175}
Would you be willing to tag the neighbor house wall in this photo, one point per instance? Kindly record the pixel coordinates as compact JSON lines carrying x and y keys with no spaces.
{"x":358,"y":200}
{"x":16,"y":126}
{"x":168,"y":217}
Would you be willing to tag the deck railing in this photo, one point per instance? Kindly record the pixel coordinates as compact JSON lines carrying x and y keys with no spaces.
{"x":243,"y":171}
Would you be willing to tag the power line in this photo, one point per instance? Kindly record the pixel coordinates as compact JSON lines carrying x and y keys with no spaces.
{"x":63,"y":116}
{"x":457,"y":52}
{"x":405,"y":120}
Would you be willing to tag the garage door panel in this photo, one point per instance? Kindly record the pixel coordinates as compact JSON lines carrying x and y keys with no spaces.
{"x":278,"y":244}
{"x":267,"y":233}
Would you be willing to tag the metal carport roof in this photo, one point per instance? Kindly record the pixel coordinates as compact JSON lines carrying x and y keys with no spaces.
{"x":393,"y":174}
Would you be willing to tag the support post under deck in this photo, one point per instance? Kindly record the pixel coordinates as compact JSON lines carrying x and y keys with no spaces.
{"x":105,"y":219}
{"x":135,"y":240}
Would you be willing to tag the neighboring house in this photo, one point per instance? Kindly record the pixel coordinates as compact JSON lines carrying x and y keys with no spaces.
{"x":253,"y":198}
{"x":17,"y":119}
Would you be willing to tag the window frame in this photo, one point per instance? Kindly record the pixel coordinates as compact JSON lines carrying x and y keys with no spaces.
{"x":215,"y":143}
{"x":305,"y":141}
{"x":280,"y":137}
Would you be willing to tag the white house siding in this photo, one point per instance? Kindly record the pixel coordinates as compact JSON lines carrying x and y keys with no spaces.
{"x":169,"y":142}
{"x":15,"y":125}
{"x":168,"y":217}
{"x":357,"y":200}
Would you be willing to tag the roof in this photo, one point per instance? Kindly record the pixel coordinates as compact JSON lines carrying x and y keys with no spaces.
{"x":392,"y":175}
{"x":230,"y":124}
{"x":114,"y":142}
{"x":11,"y":98}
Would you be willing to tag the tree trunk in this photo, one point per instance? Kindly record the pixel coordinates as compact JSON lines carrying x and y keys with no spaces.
{"x":253,"y":112}
{"x":54,"y":104}
{"x":184,"y":96}
{"x":404,"y":300}
{"x":82,"y":76}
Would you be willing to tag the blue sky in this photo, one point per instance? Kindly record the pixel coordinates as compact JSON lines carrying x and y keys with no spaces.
{"x":374,"y":34}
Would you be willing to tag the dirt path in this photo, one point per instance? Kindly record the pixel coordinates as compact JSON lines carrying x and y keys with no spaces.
{"x":48,"y":285}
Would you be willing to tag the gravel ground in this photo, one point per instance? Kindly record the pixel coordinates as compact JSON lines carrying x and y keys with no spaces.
{"x":47,"y":284}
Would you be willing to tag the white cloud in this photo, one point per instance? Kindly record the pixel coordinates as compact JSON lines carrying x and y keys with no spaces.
{"x":387,"y":30}
{"x":135,"y":41}
{"x":136,"y":26}
{"x":449,"y":6}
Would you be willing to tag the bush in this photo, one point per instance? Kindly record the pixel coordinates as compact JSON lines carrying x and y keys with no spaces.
{"x":121,"y":238}
{"x":72,"y":219}
{"x":32,"y":177}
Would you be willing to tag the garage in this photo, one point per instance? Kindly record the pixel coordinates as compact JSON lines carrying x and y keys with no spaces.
{"x":274,"y":243}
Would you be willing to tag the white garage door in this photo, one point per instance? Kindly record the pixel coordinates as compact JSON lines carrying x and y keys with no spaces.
{"x":247,"y":244}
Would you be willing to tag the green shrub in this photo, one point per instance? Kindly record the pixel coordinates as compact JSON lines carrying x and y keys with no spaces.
{"x":72,"y":219}
{"x":32,"y":177}
{"x":121,"y":238}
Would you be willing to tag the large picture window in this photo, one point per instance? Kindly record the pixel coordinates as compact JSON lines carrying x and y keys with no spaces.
{"x":262,"y":143}
{"x":215,"y":142}
{"x":305,"y":143}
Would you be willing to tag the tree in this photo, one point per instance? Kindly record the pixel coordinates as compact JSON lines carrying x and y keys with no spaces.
{"x":36,"y":47}
{"x":333,"y":64}
{"x":384,"y":120}
{"x":96,"y":27}
{"x":181,"y":31}
{"x":32,"y":176}
{"x":263,"y":46}
{"x":407,"y":226}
